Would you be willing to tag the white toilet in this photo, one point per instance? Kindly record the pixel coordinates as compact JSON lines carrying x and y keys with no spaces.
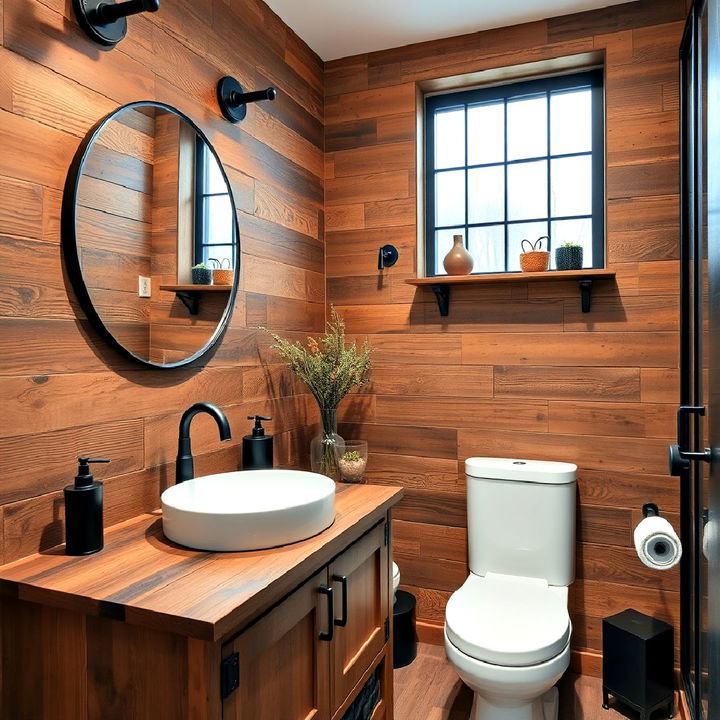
{"x":507,"y":629}
{"x":396,"y":579}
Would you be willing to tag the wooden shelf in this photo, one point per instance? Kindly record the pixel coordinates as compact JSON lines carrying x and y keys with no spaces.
{"x":197,"y":288}
{"x":189,"y":295}
{"x":441,"y":285}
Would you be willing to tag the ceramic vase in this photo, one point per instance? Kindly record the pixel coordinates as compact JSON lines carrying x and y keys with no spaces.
{"x":323,"y":455}
{"x":458,"y":261}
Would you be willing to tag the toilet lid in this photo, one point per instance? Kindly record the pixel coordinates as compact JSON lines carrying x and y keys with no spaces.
{"x":506,"y":620}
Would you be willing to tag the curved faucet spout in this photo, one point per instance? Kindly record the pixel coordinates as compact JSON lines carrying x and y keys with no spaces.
{"x":184,"y":469}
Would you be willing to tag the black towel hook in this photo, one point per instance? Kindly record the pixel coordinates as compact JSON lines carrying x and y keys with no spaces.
{"x":233,"y":100}
{"x":106,"y":22}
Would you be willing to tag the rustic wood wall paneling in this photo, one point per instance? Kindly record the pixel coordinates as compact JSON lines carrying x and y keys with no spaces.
{"x":517,"y":369}
{"x":63,"y":392}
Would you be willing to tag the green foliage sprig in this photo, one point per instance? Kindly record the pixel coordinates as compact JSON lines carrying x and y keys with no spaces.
{"x":570,"y":245}
{"x":326,"y":365}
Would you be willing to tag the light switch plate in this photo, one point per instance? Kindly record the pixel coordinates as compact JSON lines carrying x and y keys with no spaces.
{"x":144,"y":286}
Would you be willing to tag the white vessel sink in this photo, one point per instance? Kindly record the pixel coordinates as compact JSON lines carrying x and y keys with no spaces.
{"x":248,"y":510}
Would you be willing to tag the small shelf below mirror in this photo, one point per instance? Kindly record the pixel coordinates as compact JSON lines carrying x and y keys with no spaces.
{"x":189,"y":295}
{"x":441,"y":285}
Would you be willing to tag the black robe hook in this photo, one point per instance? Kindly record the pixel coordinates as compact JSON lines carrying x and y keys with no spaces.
{"x":106,"y":22}
{"x":233,"y":100}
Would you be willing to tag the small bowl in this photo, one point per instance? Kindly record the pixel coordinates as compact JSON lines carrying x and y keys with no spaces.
{"x":352,"y":457}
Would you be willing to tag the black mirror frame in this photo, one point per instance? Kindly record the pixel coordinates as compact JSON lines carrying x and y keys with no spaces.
{"x":68,"y":231}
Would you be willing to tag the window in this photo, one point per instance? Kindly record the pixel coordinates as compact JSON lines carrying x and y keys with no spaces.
{"x":214,"y":218}
{"x":515,"y":162}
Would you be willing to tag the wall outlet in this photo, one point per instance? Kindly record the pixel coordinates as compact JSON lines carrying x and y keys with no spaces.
{"x":144,"y":286}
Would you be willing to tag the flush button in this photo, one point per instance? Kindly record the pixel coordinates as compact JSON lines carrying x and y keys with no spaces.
{"x":519,"y":462}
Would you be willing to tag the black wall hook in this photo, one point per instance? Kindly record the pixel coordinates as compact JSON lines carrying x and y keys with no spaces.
{"x":233,"y":99}
{"x":387,"y":256}
{"x":106,"y":22}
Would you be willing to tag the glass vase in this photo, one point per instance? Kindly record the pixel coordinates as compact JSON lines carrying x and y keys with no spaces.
{"x":323,"y":456}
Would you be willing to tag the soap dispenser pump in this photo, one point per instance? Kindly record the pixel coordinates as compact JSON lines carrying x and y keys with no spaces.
{"x":84,"y":511}
{"x":257,"y":449}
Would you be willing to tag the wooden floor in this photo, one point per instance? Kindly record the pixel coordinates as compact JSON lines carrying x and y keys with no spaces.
{"x":429,"y":689}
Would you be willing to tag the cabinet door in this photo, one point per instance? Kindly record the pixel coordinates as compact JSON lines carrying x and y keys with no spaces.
{"x":360,"y":579}
{"x":284,"y":663}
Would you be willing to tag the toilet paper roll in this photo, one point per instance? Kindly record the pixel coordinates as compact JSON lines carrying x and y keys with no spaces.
{"x":657,"y":544}
{"x":710,"y":540}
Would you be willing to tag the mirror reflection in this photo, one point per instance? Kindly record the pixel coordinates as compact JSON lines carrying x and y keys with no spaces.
{"x":156,"y":235}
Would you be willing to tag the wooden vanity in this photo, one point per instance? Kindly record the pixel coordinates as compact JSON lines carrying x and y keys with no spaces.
{"x":147,"y":629}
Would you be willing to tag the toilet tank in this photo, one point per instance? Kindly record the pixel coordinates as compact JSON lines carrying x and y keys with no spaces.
{"x":521,"y":518}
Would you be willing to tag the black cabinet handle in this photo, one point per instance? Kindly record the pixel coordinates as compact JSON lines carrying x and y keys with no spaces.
{"x":328,"y":592}
{"x":342,"y":579}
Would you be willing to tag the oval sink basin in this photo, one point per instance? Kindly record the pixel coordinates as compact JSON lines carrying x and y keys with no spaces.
{"x":248,"y":510}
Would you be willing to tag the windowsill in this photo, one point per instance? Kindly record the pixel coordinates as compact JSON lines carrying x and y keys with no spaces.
{"x":441,"y":284}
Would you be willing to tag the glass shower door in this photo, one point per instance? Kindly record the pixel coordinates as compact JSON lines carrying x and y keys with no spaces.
{"x":700,"y":357}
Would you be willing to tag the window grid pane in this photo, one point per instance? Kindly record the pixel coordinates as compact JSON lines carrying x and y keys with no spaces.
{"x":215,"y":219}
{"x":548,"y":183}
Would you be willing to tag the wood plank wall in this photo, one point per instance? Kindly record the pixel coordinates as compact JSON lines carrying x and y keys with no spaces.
{"x":62,"y":392}
{"x":516,"y":369}
{"x":117,"y":181}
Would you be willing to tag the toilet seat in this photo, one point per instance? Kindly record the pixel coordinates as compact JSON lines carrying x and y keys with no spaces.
{"x":507,"y":620}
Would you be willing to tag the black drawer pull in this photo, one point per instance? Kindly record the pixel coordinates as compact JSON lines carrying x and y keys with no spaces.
{"x":342,"y":579}
{"x":328,"y":592}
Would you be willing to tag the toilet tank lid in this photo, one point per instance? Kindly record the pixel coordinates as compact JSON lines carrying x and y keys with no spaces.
{"x":536,"y":471}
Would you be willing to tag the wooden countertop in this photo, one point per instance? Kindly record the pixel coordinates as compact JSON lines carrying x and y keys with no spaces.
{"x":144,"y":579}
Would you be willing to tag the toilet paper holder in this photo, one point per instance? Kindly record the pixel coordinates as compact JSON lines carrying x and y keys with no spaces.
{"x":650,"y":510}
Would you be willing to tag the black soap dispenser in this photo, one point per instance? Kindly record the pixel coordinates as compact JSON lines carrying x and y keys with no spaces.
{"x":84,"y":511}
{"x":257,"y":449}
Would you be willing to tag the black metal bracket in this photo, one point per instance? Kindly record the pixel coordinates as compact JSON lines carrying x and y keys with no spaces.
{"x":585,"y":293}
{"x":442,"y":295}
{"x":229,"y":675}
{"x":191,"y":300}
{"x":233,"y":100}
{"x":650,"y":510}
{"x":106,"y":22}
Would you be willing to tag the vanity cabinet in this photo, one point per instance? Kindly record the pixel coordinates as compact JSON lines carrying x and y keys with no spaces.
{"x":360,"y":580}
{"x":305,"y":659}
{"x":283,"y":668}
{"x":147,"y":629}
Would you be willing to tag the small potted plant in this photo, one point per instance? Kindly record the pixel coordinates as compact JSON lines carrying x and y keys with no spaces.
{"x":201,"y":274}
{"x":352,"y":458}
{"x":569,"y":257}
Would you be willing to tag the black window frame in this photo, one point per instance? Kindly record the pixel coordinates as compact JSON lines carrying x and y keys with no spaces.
{"x":577,"y":80}
{"x":202,"y":155}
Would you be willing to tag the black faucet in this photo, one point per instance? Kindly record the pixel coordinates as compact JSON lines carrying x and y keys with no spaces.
{"x":184,"y":469}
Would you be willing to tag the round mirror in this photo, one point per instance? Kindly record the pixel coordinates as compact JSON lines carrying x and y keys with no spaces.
{"x":150,"y":235}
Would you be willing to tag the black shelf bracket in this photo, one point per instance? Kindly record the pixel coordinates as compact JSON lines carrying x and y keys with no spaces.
{"x":585,"y":294}
{"x":442,"y":295}
{"x":190,"y":299}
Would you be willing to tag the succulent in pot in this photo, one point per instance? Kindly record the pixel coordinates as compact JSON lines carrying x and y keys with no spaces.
{"x":201,"y":274}
{"x":569,"y":257}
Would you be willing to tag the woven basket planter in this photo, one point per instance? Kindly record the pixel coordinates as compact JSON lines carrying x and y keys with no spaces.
{"x":223,"y":277}
{"x":534,"y":259}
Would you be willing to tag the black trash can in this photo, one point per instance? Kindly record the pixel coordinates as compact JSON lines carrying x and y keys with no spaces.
{"x":404,"y":637}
